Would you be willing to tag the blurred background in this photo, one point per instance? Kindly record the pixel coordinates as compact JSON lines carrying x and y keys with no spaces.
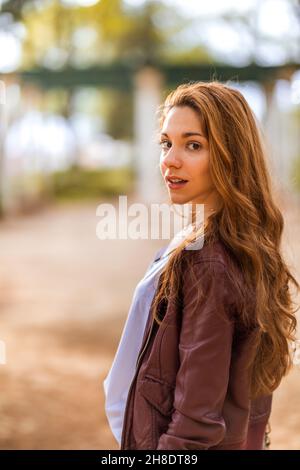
{"x":80,"y":82}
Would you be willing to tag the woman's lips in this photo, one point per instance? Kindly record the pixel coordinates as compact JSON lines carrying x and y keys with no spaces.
{"x":176,"y":185}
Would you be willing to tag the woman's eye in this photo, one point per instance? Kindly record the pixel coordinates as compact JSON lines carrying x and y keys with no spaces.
{"x":197,"y":144}
{"x":162,"y":142}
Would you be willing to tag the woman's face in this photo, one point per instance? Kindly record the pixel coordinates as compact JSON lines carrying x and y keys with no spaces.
{"x":186,"y":157}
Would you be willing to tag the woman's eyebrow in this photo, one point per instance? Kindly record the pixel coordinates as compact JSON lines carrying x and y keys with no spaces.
{"x":185,"y":134}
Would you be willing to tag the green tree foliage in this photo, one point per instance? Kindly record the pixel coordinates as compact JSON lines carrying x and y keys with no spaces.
{"x":60,"y":35}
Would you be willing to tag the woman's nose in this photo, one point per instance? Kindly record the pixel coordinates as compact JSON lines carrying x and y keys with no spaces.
{"x":172,"y":158}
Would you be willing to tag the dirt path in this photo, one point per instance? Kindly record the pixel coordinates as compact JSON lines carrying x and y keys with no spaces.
{"x":61,"y":319}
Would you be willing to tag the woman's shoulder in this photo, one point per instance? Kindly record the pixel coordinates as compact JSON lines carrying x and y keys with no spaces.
{"x":215,"y":250}
{"x":217,"y":259}
{"x":217,"y":269}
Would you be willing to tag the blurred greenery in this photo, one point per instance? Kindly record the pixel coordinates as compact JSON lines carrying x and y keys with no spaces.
{"x":80,"y":183}
{"x":295,"y":167}
{"x":295,"y":173}
{"x":104,"y":33}
{"x":113,"y":32}
{"x":117,"y":111}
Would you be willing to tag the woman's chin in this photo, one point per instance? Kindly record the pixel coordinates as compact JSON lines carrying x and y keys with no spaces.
{"x":178,"y":199}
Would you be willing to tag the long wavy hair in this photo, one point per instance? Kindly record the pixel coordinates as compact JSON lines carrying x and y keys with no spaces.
{"x":249,"y":224}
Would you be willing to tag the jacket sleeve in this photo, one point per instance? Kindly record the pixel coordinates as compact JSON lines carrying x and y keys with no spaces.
{"x":205,"y":352}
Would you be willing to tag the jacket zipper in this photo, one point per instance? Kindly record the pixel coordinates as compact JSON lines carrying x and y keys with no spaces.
{"x":131,"y":385}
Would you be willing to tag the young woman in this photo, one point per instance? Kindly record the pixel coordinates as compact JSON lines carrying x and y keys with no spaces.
{"x":209,"y":332}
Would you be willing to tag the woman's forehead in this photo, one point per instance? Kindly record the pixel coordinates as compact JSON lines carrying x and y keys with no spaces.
{"x":182,"y":122}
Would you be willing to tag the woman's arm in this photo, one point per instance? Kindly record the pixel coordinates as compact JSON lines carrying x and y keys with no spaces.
{"x":205,"y":353}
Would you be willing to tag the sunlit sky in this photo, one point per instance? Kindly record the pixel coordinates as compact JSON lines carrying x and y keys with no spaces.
{"x":273,"y":18}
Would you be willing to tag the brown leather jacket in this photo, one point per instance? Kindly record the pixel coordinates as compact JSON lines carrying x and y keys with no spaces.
{"x":190,"y":389}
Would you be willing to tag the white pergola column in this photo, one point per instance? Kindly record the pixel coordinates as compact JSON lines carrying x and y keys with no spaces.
{"x":281,"y":136}
{"x":269,"y":122}
{"x":148,"y":83}
{"x":3,"y":128}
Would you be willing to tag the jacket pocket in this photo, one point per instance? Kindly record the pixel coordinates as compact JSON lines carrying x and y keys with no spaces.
{"x":158,"y":393}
